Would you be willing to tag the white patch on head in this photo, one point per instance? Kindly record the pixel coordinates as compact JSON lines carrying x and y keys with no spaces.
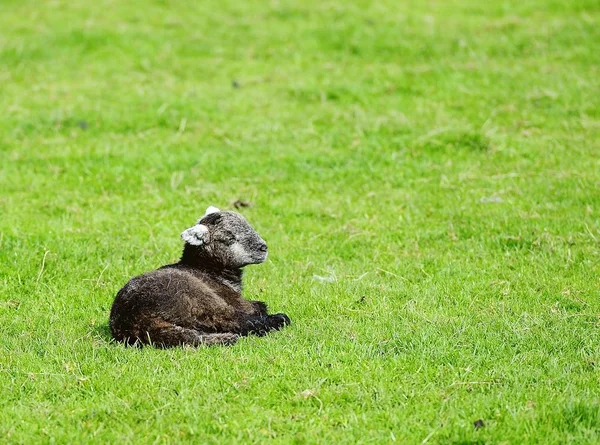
{"x":211,"y":209}
{"x":240,"y":254}
{"x":196,"y":235}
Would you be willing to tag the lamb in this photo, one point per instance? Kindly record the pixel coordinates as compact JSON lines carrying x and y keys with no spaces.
{"x":198,"y":300}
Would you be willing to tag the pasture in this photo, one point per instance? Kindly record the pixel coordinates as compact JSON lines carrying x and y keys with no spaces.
{"x":427,"y":177}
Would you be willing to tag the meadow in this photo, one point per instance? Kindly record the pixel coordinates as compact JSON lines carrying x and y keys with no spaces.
{"x":427,"y":177}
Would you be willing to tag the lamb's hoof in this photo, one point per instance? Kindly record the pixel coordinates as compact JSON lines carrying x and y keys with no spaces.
{"x":228,"y":339}
{"x":223,"y":339}
{"x":278,"y":321}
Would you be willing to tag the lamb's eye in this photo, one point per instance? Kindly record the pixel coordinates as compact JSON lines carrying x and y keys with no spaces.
{"x":227,"y":238}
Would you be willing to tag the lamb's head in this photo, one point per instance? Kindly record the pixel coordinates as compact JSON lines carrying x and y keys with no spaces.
{"x":226,"y":238}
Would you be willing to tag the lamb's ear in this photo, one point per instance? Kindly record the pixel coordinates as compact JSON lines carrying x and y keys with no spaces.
{"x":196,"y":235}
{"x":210,"y":210}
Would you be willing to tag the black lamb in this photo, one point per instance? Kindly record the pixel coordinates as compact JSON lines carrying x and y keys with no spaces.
{"x":198,"y":300}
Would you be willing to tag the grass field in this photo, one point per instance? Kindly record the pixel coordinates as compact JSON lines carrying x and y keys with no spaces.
{"x":427,"y":176}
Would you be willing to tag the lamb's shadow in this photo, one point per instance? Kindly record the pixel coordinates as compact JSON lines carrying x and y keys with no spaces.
{"x":102,"y":332}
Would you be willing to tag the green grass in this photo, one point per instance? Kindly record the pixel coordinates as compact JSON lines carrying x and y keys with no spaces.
{"x":437,"y":162}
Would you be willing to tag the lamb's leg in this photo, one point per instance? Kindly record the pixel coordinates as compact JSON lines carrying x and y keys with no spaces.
{"x":260,"y":307}
{"x":262,"y":325}
{"x":172,"y":336}
{"x":278,"y":321}
{"x":220,"y":339}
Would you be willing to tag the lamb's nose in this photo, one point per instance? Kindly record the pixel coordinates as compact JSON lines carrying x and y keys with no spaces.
{"x":263,"y":247}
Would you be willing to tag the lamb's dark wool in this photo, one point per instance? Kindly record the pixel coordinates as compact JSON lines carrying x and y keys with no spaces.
{"x":197,"y":300}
